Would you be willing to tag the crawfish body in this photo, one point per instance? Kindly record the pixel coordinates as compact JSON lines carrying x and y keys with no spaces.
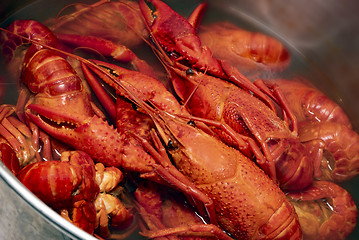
{"x":216,"y":99}
{"x":59,"y":104}
{"x":242,"y":106}
{"x":310,"y":104}
{"x":222,"y":174}
{"x":249,"y":204}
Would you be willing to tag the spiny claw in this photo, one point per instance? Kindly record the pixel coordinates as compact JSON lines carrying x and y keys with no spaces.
{"x":55,"y":116}
{"x":89,"y":134}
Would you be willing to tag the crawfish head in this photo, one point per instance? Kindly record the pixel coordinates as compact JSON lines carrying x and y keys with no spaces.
{"x":175,"y":35}
{"x":89,"y":134}
{"x":171,"y":30}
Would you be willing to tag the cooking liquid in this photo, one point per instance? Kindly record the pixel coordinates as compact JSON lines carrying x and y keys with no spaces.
{"x":300,"y":66}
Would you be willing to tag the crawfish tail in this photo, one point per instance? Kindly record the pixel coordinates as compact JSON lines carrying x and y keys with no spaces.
{"x":308,"y":103}
{"x":250,"y":52}
{"x":311,"y":205}
{"x":340,"y":146}
{"x":54,"y":82}
{"x":60,"y":184}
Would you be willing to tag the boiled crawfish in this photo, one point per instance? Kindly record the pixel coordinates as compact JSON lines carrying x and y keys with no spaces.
{"x":246,"y":109}
{"x":215,"y":168}
{"x":68,"y":184}
{"x":60,"y":105}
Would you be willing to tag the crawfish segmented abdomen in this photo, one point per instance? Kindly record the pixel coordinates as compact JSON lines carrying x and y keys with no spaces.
{"x":49,"y":72}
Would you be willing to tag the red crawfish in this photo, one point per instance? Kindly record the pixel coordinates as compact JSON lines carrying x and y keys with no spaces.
{"x":65,"y":108}
{"x":58,"y":103}
{"x":182,"y":41}
{"x":221,"y":173}
{"x":242,"y":106}
{"x":248,"y":203}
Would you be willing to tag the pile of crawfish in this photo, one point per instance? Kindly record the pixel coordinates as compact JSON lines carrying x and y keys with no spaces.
{"x":193,"y":144}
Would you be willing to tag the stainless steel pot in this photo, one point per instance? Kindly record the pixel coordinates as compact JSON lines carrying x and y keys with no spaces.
{"x":324,"y":33}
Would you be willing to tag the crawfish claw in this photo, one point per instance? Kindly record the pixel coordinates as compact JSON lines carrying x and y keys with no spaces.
{"x":89,"y":134}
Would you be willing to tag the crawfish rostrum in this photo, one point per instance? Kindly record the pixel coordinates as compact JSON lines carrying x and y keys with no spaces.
{"x":248,"y":158}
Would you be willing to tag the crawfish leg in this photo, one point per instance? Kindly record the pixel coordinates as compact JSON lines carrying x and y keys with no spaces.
{"x":21,"y":138}
{"x":170,"y":218}
{"x":237,"y":78}
{"x":153,"y":223}
{"x":5,"y":111}
{"x":278,"y":96}
{"x":100,"y":93}
{"x":109,"y":49}
{"x":242,"y":141}
{"x":13,"y":136}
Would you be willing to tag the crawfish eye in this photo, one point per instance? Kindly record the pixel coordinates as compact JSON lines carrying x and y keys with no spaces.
{"x":111,"y":71}
{"x":189,"y":71}
{"x":134,"y":106}
{"x":191,"y":123}
{"x":172,"y":145}
{"x":152,"y":8}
